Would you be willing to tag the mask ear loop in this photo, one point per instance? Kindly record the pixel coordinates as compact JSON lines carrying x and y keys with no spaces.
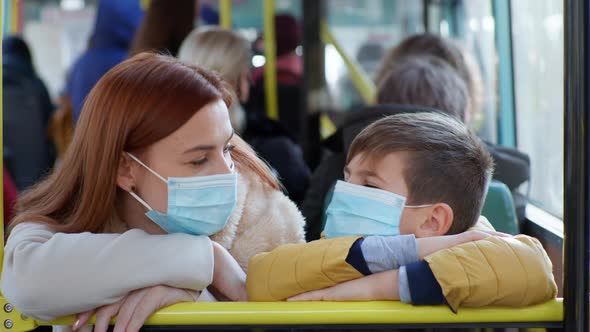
{"x":141,"y":201}
{"x":146,"y":166}
{"x":132,"y":192}
{"x":418,"y":206}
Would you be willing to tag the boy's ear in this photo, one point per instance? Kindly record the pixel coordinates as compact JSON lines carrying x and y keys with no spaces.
{"x":125,"y":177}
{"x":439,"y":221}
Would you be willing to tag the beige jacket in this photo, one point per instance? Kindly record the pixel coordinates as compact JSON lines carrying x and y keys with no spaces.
{"x":263,"y":219}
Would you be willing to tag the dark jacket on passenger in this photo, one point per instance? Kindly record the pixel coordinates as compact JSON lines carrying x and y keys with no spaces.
{"x":28,"y":151}
{"x":273,"y":144}
{"x":114,"y":28}
{"x":511,"y":166}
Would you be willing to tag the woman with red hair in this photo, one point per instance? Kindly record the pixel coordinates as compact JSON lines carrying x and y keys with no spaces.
{"x":153,"y":168}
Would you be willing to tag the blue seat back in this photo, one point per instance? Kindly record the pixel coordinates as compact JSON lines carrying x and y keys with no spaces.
{"x":499,"y":208}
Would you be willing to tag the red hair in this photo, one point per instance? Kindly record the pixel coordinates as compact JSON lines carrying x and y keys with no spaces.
{"x":135,"y":104}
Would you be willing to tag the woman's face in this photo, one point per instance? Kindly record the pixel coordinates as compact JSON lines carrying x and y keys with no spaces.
{"x":200,"y":147}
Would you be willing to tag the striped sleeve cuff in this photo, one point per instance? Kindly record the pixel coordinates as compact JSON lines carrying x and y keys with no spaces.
{"x":423,"y":286}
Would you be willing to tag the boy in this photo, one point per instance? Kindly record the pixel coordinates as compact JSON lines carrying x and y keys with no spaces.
{"x":443,"y":171}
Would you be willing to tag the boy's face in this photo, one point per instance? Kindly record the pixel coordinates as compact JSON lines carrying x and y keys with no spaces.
{"x":388,"y":174}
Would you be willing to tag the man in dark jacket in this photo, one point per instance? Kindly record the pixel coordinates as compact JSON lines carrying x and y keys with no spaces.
{"x":28,"y":150}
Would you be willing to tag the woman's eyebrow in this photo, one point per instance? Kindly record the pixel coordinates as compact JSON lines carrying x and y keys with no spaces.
{"x":207,"y":146}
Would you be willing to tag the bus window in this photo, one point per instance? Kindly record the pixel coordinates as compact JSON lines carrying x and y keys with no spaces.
{"x":475,"y":29}
{"x":537,"y":35}
{"x":365,"y":30}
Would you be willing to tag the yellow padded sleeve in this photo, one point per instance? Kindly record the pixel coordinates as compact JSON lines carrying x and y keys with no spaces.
{"x":514,"y":271}
{"x":293,"y":269}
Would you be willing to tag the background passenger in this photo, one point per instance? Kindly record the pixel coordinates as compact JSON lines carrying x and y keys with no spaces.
{"x":425,"y":81}
{"x":229,"y":54}
{"x":28,"y":151}
{"x":446,"y":50}
{"x":289,"y":71}
{"x":164,"y":27}
{"x":114,"y":27}
{"x":150,"y":125}
{"x":289,"y":63}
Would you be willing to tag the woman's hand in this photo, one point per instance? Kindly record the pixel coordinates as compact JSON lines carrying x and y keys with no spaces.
{"x":135,"y":308}
{"x":378,"y":286}
{"x":429,"y":245}
{"x":228,"y":277}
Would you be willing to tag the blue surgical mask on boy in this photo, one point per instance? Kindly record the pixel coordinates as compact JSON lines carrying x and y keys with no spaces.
{"x":362,"y":211}
{"x":199,"y":205}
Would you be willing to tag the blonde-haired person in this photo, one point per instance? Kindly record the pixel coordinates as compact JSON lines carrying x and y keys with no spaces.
{"x":229,"y":54}
{"x":122,"y":224}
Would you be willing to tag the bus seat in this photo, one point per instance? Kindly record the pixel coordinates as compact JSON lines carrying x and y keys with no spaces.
{"x":499,"y":208}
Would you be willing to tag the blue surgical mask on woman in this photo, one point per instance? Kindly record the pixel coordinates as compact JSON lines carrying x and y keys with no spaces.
{"x":362,"y":211}
{"x":199,"y":205}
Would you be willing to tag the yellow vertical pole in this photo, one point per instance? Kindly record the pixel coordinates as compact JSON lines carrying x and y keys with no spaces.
{"x":225,"y":13}
{"x":13,"y":23}
{"x":359,"y":77}
{"x":1,"y":148}
{"x":270,"y":67}
{"x":144,"y":4}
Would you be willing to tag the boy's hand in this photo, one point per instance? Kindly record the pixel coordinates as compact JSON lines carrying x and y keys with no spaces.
{"x":429,"y":245}
{"x":379,"y":286}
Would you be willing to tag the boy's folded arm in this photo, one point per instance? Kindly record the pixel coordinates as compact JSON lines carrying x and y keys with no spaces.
{"x":294,"y":269}
{"x":414,"y":283}
{"x":298,"y":268}
{"x":383,"y":253}
{"x":378,"y":286}
{"x":509,"y":271}
{"x":503,"y":271}
{"x":429,"y":245}
{"x":417,"y":285}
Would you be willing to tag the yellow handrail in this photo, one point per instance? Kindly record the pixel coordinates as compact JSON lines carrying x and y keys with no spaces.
{"x":359,"y":78}
{"x":270,"y":67}
{"x":225,"y":18}
{"x":13,"y":24}
{"x":335,"y":313}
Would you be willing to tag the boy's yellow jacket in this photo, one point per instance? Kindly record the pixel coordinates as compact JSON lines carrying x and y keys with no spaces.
{"x":513,"y":271}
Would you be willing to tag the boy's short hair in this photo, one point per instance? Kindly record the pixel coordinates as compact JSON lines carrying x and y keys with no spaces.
{"x":425,"y":81}
{"x":447,"y":163}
